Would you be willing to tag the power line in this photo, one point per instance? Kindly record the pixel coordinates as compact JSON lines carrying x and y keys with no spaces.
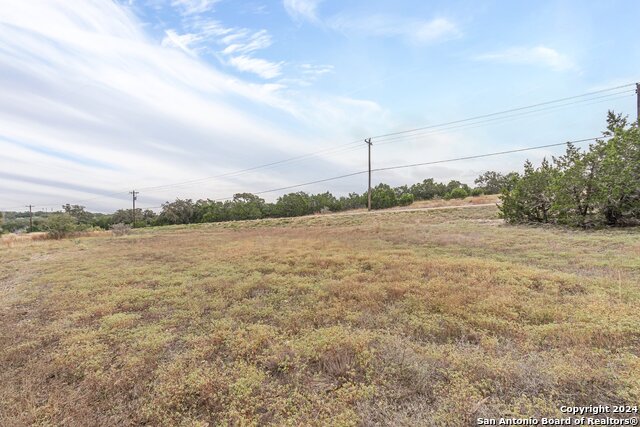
{"x":505,"y":111}
{"x":609,"y":97}
{"x":478,"y":156}
{"x":485,"y":155}
{"x":356,"y":144}
{"x":400,"y":134}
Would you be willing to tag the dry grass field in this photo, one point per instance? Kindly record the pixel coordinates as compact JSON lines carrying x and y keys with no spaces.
{"x":415,"y":318}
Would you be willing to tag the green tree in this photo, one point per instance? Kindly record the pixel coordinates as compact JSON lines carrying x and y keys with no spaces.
{"x":180,"y":211}
{"x":61,"y":225}
{"x":245,"y":206}
{"x":210,"y":211}
{"x":79,"y":213}
{"x":574,"y":187}
{"x":457,"y":193}
{"x":353,"y":201}
{"x":428,"y":189}
{"x":382,"y":197}
{"x":492,"y":182}
{"x":528,"y":198}
{"x":618,"y":184}
{"x":293,"y":204}
{"x":322,"y":201}
{"x":406,"y":199}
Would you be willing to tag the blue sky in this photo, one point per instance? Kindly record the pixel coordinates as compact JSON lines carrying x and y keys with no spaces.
{"x":100,"y":97}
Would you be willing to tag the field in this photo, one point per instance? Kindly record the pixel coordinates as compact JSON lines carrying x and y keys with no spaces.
{"x":432,"y":317}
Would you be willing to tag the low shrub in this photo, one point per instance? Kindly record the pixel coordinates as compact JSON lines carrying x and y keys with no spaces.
{"x":61,"y":225}
{"x":457,"y":193}
{"x":120,"y":229}
{"x":406,"y":199}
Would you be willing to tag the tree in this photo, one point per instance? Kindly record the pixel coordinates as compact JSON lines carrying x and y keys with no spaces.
{"x":452,"y":185}
{"x":574,"y":186}
{"x":618,"y":184}
{"x":353,"y":201}
{"x":492,"y":182}
{"x":293,"y":204}
{"x":323,"y":201}
{"x":595,"y":187}
{"x":406,"y":199}
{"x":528,"y":198}
{"x":178,"y":212}
{"x":428,"y":189}
{"x":457,"y":193}
{"x":60,"y":225}
{"x":79,"y":213}
{"x":383,"y":196}
{"x":245,"y":206}
{"x":210,"y":211}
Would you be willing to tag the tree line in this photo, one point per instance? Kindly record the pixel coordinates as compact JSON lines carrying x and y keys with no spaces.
{"x":586,"y":188}
{"x":245,"y":206}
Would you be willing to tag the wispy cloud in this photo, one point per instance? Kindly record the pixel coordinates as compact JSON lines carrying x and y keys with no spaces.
{"x":249,"y":43}
{"x":261,"y":67}
{"x":181,"y":41}
{"x":412,"y":30}
{"x":542,"y":56}
{"x":95,"y":90}
{"x":316,"y":70}
{"x":300,"y":10}
{"x":237,"y":45}
{"x":192,"y":7}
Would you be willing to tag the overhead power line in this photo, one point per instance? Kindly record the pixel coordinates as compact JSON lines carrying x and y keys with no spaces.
{"x":502,"y":119}
{"x":477,"y":156}
{"x":504,"y":111}
{"x":355,"y":145}
{"x":389,"y":137}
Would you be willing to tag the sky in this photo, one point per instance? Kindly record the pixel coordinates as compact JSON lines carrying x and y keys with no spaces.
{"x":173,"y":97}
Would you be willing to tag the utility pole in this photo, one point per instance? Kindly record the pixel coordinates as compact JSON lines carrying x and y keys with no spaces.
{"x":134,"y":194}
{"x":30,"y":217}
{"x":368,"y":141}
{"x":638,"y":103}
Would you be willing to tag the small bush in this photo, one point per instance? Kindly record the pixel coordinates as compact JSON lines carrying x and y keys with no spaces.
{"x":477,"y":192}
{"x":382,"y":197}
{"x":61,"y":225}
{"x":120,"y":229}
{"x":457,"y":193}
{"x":406,"y":199}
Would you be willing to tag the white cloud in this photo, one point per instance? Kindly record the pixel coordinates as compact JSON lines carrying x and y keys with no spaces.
{"x":412,"y":30}
{"x":302,"y":9}
{"x":261,"y":67}
{"x":255,"y":41}
{"x":184,"y":41}
{"x":193,"y":7}
{"x":539,"y":55}
{"x":316,"y":70}
{"x":436,"y":29}
{"x":238,"y":46}
{"x":90,"y":105}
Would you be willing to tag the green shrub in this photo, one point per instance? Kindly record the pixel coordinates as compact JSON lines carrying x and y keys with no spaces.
{"x":406,"y":199}
{"x":477,"y":192}
{"x":457,"y":193}
{"x":382,"y":197}
{"x":586,"y":188}
{"x":61,"y":225}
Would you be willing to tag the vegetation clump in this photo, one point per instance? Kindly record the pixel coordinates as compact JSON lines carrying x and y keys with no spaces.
{"x":585,"y":188}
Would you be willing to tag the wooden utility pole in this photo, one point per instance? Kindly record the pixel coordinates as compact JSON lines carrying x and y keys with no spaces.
{"x":368,"y":141}
{"x":134,"y":194}
{"x":30,"y":217}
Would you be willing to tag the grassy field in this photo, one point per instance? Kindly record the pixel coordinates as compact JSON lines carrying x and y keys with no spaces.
{"x":416,"y":318}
